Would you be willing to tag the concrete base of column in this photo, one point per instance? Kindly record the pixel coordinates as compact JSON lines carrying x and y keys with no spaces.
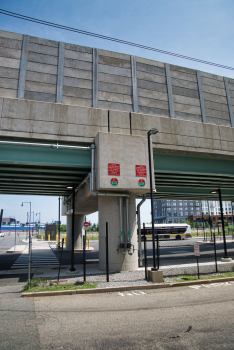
{"x":155,"y":276}
{"x":78,"y":225}
{"x":109,"y":212}
{"x":226,"y":259}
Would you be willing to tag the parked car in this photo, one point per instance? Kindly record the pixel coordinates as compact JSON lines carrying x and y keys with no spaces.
{"x":1,"y":234}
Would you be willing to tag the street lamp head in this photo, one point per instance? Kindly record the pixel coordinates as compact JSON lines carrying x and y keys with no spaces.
{"x":215,"y":191}
{"x":152,"y":131}
{"x":22,"y":204}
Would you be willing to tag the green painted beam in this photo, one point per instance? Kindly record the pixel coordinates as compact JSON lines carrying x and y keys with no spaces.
{"x":44,"y":156}
{"x":187,"y":164}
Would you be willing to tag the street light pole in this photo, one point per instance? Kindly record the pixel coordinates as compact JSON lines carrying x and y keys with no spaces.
{"x":152,"y":132}
{"x":59,"y":221}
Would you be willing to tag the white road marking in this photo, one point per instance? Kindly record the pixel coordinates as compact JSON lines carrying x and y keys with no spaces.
{"x":131,"y":293}
{"x":212,"y":285}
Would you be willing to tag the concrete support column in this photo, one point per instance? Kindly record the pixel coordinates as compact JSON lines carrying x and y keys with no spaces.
{"x":79,"y":223}
{"x":108,"y":208}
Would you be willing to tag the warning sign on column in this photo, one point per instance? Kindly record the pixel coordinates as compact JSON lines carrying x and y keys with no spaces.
{"x":114,"y":169}
{"x":141,"y":170}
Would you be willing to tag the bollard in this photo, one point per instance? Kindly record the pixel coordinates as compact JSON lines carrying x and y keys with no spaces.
{"x":48,"y":238}
{"x":42,"y":237}
{"x":65,"y":240}
{"x":57,"y":239}
{"x":88,"y":243}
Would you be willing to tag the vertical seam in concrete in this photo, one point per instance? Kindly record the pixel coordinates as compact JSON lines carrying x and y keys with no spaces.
{"x":95,"y":77}
{"x":23,"y":66}
{"x":130,"y":122}
{"x":229,"y":101}
{"x":169,"y":91}
{"x":202,"y":103}
{"x":134,"y":85}
{"x":59,"y":92}
{"x":108,"y":120}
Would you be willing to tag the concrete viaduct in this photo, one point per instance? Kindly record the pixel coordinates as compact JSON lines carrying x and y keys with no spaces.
{"x":74,"y":123}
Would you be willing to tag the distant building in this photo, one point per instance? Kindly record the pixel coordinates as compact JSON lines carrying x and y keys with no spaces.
{"x":175,"y":211}
{"x":8,"y":221}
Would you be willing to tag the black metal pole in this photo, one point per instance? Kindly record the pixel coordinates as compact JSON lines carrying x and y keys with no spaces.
{"x":107,"y":254}
{"x":84,"y":257}
{"x":197,"y":268}
{"x":152,"y":201}
{"x":224,"y":237}
{"x":216,"y":267}
{"x":158,"y":251}
{"x":145,"y":253}
{"x":59,"y":223}
{"x":60,"y":261}
{"x":73,"y":230}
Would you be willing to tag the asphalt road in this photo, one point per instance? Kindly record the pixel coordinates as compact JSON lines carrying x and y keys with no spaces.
{"x":179,"y":318}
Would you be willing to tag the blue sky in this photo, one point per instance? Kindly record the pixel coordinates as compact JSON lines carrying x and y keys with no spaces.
{"x":202,"y":29}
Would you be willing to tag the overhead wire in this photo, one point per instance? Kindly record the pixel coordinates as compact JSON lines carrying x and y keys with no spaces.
{"x":104,"y":37}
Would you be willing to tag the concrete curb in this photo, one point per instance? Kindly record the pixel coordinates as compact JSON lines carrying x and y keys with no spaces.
{"x":126,"y":288}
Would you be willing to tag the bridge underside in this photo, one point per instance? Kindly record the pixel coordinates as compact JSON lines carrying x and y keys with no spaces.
{"x":30,"y":170}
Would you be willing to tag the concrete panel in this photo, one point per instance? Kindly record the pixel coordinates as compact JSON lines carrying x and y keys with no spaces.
{"x":187,"y":108}
{"x":11,"y":53}
{"x":9,"y":62}
{"x":226,"y":134}
{"x":117,"y":79}
{"x":115,"y":88}
{"x":184,"y":76}
{"x":77,"y":55}
{"x":182,"y":69}
{"x":112,"y":61}
{"x":231,"y":93}
{"x":119,"y":120}
{"x":215,"y":98}
{"x":79,"y":48}
{"x":8,"y":83}
{"x":114,"y":54}
{"x":77,"y":101}
{"x":41,"y":58}
{"x":112,"y":97}
{"x":216,"y":106}
{"x":186,"y":100}
{"x":218,"y":121}
{"x":1,"y":103}
{"x":154,"y":111}
{"x":10,"y":35}
{"x":77,"y":92}
{"x":150,"y":62}
{"x":115,"y":106}
{"x":41,"y":77}
{"x":8,"y":93}
{"x":78,"y":73}
{"x":153,"y":94}
{"x":74,"y":82}
{"x":188,"y":116}
{"x":185,"y":92}
{"x":151,"y":77}
{"x":11,"y":43}
{"x":231,"y":86}
{"x":115,"y":70}
{"x":40,"y":87}
{"x":120,"y":131}
{"x":70,"y":63}
{"x":42,"y":49}
{"x":214,"y":90}
{"x":211,"y":76}
{"x":45,"y":42}
{"x":213,"y":82}
{"x":217,"y":114}
{"x":153,"y":103}
{"x":39,"y":96}
{"x":132,"y":151}
{"x":143,"y":84}
{"x":150,"y":69}
{"x":41,"y":68}
{"x":184,"y":83}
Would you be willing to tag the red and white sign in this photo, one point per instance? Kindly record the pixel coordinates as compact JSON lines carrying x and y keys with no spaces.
{"x":141,"y":171}
{"x":114,"y":169}
{"x":86,"y":225}
{"x":197,"y":250}
{"x":213,"y":222}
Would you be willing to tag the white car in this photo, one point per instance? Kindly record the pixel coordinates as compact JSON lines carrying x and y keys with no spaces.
{"x":1,"y":234}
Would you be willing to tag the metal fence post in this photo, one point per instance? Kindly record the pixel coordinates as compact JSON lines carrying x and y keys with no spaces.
{"x":107,"y":254}
{"x":145,"y":254}
{"x":216,"y":267}
{"x":84,"y":258}
{"x":60,"y":259}
{"x":158,"y":251}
